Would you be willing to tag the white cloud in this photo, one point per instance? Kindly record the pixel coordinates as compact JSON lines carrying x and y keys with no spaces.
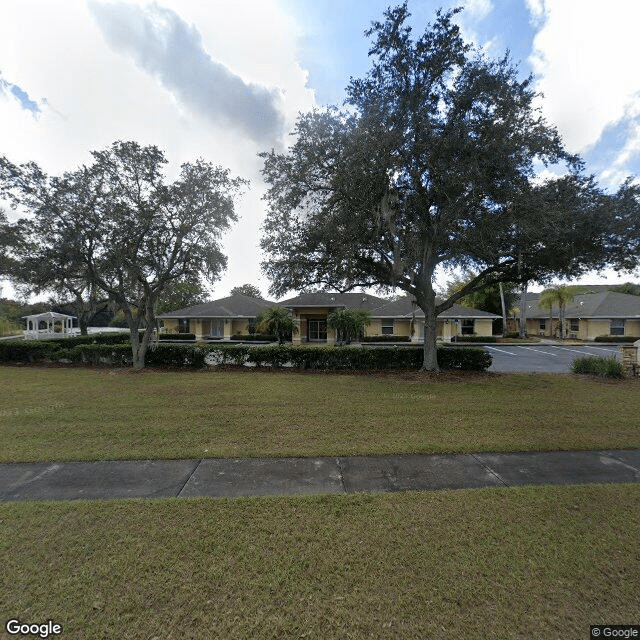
{"x":166,"y":47}
{"x":581,"y":59}
{"x":90,"y":95}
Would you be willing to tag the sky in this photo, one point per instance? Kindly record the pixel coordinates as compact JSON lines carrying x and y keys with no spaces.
{"x":225,"y":79}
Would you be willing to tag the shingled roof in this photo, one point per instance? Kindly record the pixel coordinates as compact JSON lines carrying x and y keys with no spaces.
{"x":328,"y":299}
{"x":405,"y":308}
{"x":237,"y":306}
{"x":605,"y":304}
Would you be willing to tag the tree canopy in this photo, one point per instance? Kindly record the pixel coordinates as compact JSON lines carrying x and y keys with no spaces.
{"x":247,"y":290}
{"x":119,"y":228}
{"x":432,"y":164}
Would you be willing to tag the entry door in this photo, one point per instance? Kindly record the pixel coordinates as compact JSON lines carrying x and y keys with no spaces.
{"x":317,"y":330}
{"x":217,"y":328}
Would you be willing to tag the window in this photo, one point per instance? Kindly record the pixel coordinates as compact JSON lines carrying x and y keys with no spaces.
{"x":543,"y":325}
{"x":183,"y":325}
{"x":317,"y":330}
{"x":574,"y":325}
{"x":467,"y":327}
{"x":616,"y":328}
{"x":386,"y":326}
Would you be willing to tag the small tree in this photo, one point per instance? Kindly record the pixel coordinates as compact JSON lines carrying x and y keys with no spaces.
{"x":247,"y":290}
{"x":278,"y":322}
{"x":348,"y":323}
{"x":560,"y":296}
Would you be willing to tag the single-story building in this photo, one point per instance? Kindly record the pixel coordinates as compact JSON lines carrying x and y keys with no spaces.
{"x":404,"y":318}
{"x":232,"y":316}
{"x":219,"y":319}
{"x":604,"y":313}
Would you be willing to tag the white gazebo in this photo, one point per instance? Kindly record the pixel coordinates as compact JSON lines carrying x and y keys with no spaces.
{"x":48,"y":325}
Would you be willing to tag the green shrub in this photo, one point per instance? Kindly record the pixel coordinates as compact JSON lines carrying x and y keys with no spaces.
{"x":196,"y":356}
{"x":598,"y":366}
{"x":475,"y":339}
{"x":512,"y":334}
{"x":264,"y":337}
{"x":28,"y":350}
{"x":616,"y":338}
{"x":114,"y":355}
{"x":340,"y":358}
{"x":177,"y":336}
{"x":385,"y":338}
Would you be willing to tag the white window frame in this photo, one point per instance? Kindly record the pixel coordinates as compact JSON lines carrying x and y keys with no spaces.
{"x":387,"y":327}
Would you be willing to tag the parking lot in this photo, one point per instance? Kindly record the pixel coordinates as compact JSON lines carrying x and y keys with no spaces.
{"x":543,"y":358}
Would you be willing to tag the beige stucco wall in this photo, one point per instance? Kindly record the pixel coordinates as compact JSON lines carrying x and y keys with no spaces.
{"x":597,"y":328}
{"x":483,"y":327}
{"x":240,"y":327}
{"x":402,"y":328}
{"x":374,"y":329}
{"x":632,"y":328}
{"x":170,"y":325}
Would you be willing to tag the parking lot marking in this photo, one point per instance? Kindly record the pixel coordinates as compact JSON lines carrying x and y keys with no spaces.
{"x":610,"y":350}
{"x":503,"y":351}
{"x":555,"y":355}
{"x":576,"y":350}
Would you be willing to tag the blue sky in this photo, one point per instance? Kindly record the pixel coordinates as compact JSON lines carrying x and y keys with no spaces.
{"x":225,"y":79}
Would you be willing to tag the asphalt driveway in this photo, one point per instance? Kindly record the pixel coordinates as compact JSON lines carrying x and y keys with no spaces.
{"x":544,"y":358}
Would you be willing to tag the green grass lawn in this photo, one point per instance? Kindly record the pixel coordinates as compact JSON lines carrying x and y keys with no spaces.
{"x":538,"y":563}
{"x":89,"y":414}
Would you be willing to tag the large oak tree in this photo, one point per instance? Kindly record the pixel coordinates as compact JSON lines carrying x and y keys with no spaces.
{"x":432,"y":163}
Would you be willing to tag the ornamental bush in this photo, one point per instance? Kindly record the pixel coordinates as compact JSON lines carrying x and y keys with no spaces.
{"x":385,"y":338}
{"x":177,"y":336}
{"x":616,"y":338}
{"x":252,"y":337}
{"x":598,"y":366}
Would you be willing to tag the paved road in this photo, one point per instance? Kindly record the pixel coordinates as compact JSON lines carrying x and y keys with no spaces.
{"x":543,"y":358}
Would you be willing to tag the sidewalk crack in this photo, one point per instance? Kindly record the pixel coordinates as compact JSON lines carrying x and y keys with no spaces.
{"x":188,"y":478}
{"x":341,"y":474}
{"x":495,"y":474}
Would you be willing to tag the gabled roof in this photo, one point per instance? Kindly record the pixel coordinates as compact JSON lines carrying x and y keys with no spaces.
{"x":48,"y":315}
{"x":236,"y":306}
{"x":406,"y":308}
{"x":328,"y":299}
{"x":605,"y":304}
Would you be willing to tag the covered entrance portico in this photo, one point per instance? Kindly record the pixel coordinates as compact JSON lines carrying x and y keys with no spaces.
{"x":48,"y":325}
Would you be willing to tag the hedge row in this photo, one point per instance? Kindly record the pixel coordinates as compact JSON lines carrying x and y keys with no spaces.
{"x":254,"y":336}
{"x":177,"y":336}
{"x":475,"y":339}
{"x":92,"y":338}
{"x":385,"y":338}
{"x":196,"y":356}
{"x":616,"y":339}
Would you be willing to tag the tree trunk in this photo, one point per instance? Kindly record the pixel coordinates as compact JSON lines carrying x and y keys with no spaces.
{"x":430,"y":351}
{"x":504,"y":311}
{"x":523,"y":311}
{"x":83,"y":324}
{"x":561,"y":314}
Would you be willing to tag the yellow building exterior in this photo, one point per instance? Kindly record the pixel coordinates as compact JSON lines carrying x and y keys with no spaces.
{"x":587,"y":317}
{"x":235,"y":316}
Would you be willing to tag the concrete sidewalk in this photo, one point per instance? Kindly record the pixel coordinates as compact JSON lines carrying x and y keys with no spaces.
{"x":215,"y":477}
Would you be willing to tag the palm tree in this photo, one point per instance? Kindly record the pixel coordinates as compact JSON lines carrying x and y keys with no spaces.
{"x":348,"y":323}
{"x":278,"y":322}
{"x":560,"y":296}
